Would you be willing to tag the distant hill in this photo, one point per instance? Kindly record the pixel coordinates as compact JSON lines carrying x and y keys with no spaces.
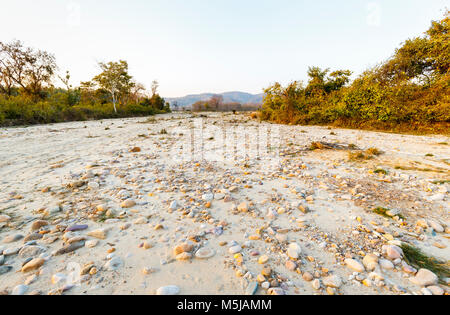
{"x":228,"y":97}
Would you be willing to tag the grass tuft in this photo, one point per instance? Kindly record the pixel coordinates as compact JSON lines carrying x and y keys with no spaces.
{"x":316,"y":146}
{"x":364,"y":155}
{"x":359,"y":156}
{"x":150,"y":120}
{"x":385,"y":213}
{"x":382,"y":211}
{"x":381,"y":171}
{"x":374,"y":151}
{"x":418,"y":259}
{"x":441,"y":182}
{"x":417,"y":169}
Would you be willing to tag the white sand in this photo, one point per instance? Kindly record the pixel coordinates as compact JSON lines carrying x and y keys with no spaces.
{"x":53,"y":156}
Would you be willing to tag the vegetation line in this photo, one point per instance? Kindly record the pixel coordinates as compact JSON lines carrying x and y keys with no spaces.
{"x":28,"y":94}
{"x":410,"y":92}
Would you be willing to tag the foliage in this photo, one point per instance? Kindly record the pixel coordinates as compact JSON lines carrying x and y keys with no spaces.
{"x":25,"y":68}
{"x":22,"y":110}
{"x":418,"y":259}
{"x":115,"y":79}
{"x":27,"y":95}
{"x":410,"y":91}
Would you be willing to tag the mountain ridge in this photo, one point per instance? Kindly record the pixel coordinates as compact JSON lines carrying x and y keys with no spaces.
{"x":228,"y":97}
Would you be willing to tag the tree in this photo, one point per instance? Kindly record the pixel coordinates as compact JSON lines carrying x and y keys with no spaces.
{"x":136,"y":92}
{"x":157,"y":102}
{"x":337,"y":80}
{"x":6,"y":81}
{"x":66,"y":80}
{"x":215,"y":102}
{"x":155,"y":86}
{"x":26,"y":68}
{"x":316,"y":84}
{"x":114,"y":79}
{"x":41,"y":72}
{"x":439,"y":50}
{"x":14,"y":61}
{"x":421,"y":59}
{"x":320,"y":82}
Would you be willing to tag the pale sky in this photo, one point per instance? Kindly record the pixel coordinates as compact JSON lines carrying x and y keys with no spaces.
{"x":195,"y":46}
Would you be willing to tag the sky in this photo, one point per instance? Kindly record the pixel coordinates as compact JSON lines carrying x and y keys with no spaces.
{"x":196,"y":46}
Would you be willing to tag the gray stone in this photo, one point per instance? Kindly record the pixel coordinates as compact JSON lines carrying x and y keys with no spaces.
{"x":316,"y":284}
{"x":436,"y":226}
{"x":31,"y":251}
{"x":32,"y":237}
{"x":168,"y":290}
{"x":75,"y":228}
{"x":11,"y":251}
{"x":333,"y":281}
{"x":436,"y":290}
{"x":20,"y":290}
{"x":354,"y":265}
{"x":252,"y":288}
{"x":425,"y":278}
{"x":12,"y":238}
{"x":205,"y":253}
{"x":276,"y":291}
{"x":5,"y":269}
{"x":386,"y":264}
{"x":393,"y":252}
{"x":235,"y":249}
{"x":208,"y":197}
{"x":4,"y":218}
{"x":114,"y":264}
{"x":69,"y":248}
{"x":173,"y":205}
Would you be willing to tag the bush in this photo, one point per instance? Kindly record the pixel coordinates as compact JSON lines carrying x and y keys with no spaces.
{"x":409,"y":92}
{"x":20,"y":110}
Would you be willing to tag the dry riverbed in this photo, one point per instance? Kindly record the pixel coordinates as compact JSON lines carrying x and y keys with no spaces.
{"x":104,"y":207}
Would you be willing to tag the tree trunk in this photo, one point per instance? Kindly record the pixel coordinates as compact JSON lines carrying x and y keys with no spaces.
{"x":114,"y":102}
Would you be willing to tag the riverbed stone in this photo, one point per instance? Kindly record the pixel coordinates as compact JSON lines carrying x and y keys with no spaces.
{"x":425,"y":278}
{"x":168,"y":290}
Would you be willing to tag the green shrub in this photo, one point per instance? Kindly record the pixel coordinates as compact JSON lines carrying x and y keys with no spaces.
{"x":16,"y":110}
{"x":410,"y":91}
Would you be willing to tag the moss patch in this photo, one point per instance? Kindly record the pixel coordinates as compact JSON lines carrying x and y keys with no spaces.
{"x":385,"y":213}
{"x":381,"y":171}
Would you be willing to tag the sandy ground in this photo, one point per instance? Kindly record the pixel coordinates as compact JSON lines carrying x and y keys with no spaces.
{"x":320,"y":200}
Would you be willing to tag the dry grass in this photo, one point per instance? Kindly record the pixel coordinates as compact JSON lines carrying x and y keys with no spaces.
{"x":359,"y":156}
{"x":441,"y":182}
{"x":416,"y":258}
{"x":382,"y":211}
{"x":316,"y":146}
{"x":385,"y":213}
{"x":381,"y":171}
{"x":374,"y":151}
{"x":255,"y":115}
{"x":150,"y":120}
{"x":418,"y":169}
{"x":364,"y":155}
